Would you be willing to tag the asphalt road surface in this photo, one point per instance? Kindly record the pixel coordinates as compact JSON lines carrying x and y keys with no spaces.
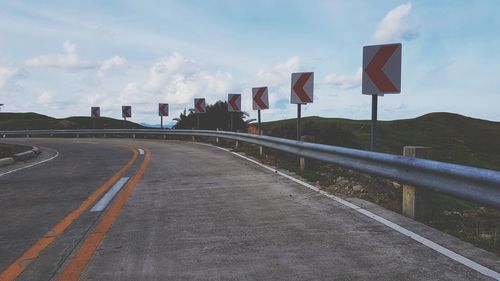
{"x":186,"y":211}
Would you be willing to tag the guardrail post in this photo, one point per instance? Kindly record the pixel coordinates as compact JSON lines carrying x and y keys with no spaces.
{"x":133,"y":136}
{"x":104,"y":136}
{"x":302,"y":160}
{"x":77,"y":135}
{"x":236,"y":143}
{"x":192,"y":137}
{"x":416,"y":201}
{"x":261,"y":152}
{"x":28,"y":136}
{"x":217,"y":139}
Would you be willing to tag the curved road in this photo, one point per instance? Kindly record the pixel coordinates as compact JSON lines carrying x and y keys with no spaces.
{"x":194,"y":212}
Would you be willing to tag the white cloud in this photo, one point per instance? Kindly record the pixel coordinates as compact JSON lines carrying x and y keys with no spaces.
{"x":280,"y":74}
{"x":114,"y":63}
{"x":46,"y":98}
{"x":278,"y":79}
{"x":396,"y":25}
{"x":5,"y":75}
{"x":69,"y":59}
{"x":344,"y":81}
{"x":177,"y":80}
{"x":174,"y":67}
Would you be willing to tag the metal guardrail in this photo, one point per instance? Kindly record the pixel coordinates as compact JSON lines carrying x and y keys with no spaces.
{"x":470,"y":183}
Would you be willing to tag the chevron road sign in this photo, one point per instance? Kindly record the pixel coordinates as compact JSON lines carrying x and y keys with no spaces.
{"x":95,"y":112}
{"x":260,"y":98}
{"x":234,"y":102}
{"x":381,"y":75}
{"x":163,"y":109}
{"x":302,"y":87}
{"x":126,"y":111}
{"x":381,"y":69}
{"x":200,"y":105}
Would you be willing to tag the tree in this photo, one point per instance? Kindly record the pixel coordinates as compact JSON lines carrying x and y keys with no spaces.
{"x":216,"y":116}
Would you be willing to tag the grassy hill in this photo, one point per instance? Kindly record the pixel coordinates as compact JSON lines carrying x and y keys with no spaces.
{"x":454,"y":138}
{"x":35,"y":121}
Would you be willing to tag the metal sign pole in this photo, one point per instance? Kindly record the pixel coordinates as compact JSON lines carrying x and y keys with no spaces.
{"x":197,"y":121}
{"x":298,"y":121}
{"x":161,"y":121}
{"x":93,"y":123}
{"x":373,"y":143}
{"x":232,"y":121}
{"x":258,"y":126}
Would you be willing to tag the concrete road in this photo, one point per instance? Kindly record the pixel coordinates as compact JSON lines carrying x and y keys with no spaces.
{"x":195,"y":212}
{"x":35,"y":199}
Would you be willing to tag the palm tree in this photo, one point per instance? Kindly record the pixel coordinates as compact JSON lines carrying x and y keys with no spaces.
{"x":216,"y":117}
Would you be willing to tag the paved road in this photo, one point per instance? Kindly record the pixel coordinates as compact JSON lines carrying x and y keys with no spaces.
{"x":200,"y":213}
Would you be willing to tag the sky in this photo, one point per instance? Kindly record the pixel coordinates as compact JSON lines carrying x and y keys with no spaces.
{"x":59,"y":58}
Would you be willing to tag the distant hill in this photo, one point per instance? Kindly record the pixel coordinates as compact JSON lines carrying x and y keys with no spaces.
{"x":35,"y":121}
{"x":168,"y":125}
{"x":454,"y":138}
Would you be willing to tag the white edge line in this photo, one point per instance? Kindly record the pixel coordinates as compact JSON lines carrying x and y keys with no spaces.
{"x":141,"y":151}
{"x":31,"y":165}
{"x":434,"y":246}
{"x":101,"y":204}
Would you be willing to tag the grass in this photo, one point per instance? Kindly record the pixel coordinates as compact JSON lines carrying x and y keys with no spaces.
{"x":35,"y":121}
{"x":453,"y":138}
{"x":8,"y":150}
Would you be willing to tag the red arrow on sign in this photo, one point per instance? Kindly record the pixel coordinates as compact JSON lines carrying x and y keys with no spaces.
{"x":233,"y":101}
{"x":163,"y":108}
{"x":258,"y":98}
{"x":96,"y":112}
{"x":299,"y":87}
{"x":375,"y":71}
{"x":199,"y":105}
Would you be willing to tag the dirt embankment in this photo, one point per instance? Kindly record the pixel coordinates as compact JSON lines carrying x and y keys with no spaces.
{"x":7,"y":149}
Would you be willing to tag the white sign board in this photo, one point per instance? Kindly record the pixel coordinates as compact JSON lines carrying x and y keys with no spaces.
{"x":234,"y":102}
{"x":260,"y":98}
{"x":95,"y":112}
{"x":381,"y":69}
{"x":126,"y":111}
{"x":302,"y":87}
{"x":163,"y":109}
{"x":200,"y":105}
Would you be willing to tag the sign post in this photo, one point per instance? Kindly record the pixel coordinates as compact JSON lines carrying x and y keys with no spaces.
{"x":260,"y":98}
{"x":381,"y":75}
{"x":162,"y":111}
{"x":233,"y":105}
{"x":199,"y":108}
{"x":95,"y":112}
{"x":302,"y":93}
{"x":126,"y":112}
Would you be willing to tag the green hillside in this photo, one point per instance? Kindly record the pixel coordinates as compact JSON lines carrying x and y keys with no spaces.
{"x":35,"y":121}
{"x":454,"y":138}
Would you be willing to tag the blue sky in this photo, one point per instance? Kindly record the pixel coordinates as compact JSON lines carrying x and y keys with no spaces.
{"x":62,"y":57}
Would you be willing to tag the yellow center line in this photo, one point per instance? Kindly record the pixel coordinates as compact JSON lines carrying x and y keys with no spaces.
{"x":81,"y":259}
{"x":19,"y":265}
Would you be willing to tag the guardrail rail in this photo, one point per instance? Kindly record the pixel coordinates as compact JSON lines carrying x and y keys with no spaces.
{"x":470,"y":183}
